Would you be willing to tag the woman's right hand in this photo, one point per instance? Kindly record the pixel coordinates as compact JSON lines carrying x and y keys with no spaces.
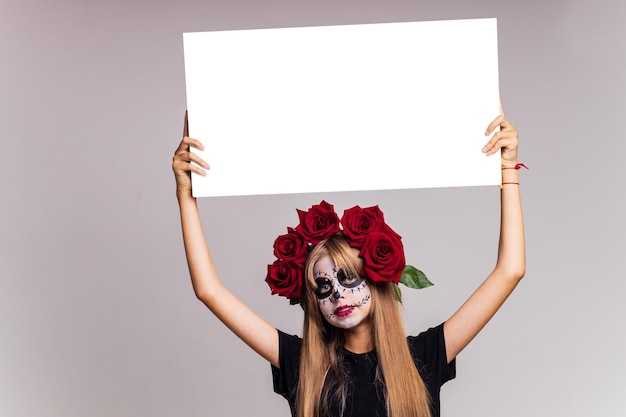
{"x":181,"y":163}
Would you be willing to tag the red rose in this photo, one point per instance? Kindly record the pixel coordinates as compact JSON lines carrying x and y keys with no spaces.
{"x":285,"y":278}
{"x":383,"y":254}
{"x":290,"y":247}
{"x":359,"y":222}
{"x":319,"y":223}
{"x":386,"y":229}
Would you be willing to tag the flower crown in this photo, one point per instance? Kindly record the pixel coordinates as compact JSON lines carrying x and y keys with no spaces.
{"x":363,"y":228}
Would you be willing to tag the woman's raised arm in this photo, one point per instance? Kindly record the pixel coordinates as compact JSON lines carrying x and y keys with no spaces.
{"x":510,"y":267}
{"x":237,"y":316}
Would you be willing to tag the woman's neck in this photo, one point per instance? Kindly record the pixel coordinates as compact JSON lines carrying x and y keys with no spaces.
{"x":359,"y":339}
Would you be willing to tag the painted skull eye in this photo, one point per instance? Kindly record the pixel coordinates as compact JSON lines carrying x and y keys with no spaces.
{"x":348,"y":281}
{"x":324,"y":287}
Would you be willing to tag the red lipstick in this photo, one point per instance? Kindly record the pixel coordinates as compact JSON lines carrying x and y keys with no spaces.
{"x":343,"y":311}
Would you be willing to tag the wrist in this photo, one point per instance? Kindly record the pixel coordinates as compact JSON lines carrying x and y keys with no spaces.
{"x":184,"y":195}
{"x":512,"y":165}
{"x":510,"y":175}
{"x":510,"y":172}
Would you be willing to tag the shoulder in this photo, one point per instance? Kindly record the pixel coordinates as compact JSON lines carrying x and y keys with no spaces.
{"x":428,"y":350}
{"x":285,"y":376}
{"x":426,"y":342}
{"x":289,"y":339}
{"x":289,"y":347}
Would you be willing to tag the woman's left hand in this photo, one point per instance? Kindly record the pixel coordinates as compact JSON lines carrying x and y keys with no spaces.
{"x":506,"y":140}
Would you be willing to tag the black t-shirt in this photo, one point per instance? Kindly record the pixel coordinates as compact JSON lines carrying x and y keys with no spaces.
{"x":365,"y":397}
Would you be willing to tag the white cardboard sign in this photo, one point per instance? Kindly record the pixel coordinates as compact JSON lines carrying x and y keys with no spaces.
{"x":343,"y":108}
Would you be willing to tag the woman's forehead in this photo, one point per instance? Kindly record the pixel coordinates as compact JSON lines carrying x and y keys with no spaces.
{"x":325,"y":265}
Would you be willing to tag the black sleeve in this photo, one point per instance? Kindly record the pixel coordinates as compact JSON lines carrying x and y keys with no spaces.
{"x":285,"y":378}
{"x":429,"y":353}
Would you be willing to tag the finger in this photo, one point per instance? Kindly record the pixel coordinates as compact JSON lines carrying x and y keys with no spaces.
{"x":495,"y":148}
{"x":186,"y":143}
{"x":506,"y":144}
{"x":490,"y":144}
{"x":505,"y":124}
{"x":195,"y":158}
{"x":186,"y":125}
{"x":195,"y":168}
{"x":501,"y":107}
{"x":182,"y":169}
{"x":508,"y":135}
{"x":183,"y":166}
{"x":493,"y":141}
{"x":494,"y":124}
{"x":500,"y":121}
{"x":190,"y":156}
{"x":193,"y":142}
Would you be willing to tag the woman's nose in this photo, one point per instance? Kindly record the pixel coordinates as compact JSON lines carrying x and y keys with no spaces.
{"x":335,"y":295}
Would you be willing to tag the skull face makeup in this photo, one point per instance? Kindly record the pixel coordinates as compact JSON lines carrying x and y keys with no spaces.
{"x":344,"y":300}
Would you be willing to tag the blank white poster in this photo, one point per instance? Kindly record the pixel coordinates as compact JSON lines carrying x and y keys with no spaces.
{"x":343,"y":108}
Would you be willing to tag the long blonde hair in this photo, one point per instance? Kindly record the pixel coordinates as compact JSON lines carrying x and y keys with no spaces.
{"x":405,"y":391}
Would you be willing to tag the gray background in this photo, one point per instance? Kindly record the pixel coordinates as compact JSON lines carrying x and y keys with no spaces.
{"x":97,"y":316}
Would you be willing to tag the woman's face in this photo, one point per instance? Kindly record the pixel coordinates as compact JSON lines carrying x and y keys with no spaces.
{"x":344,"y":301}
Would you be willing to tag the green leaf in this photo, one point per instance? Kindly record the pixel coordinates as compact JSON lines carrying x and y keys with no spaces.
{"x":397,"y":293}
{"x":414,"y":278}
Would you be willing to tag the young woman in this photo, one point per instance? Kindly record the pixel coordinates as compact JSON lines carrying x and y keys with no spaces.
{"x":354,"y":358}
